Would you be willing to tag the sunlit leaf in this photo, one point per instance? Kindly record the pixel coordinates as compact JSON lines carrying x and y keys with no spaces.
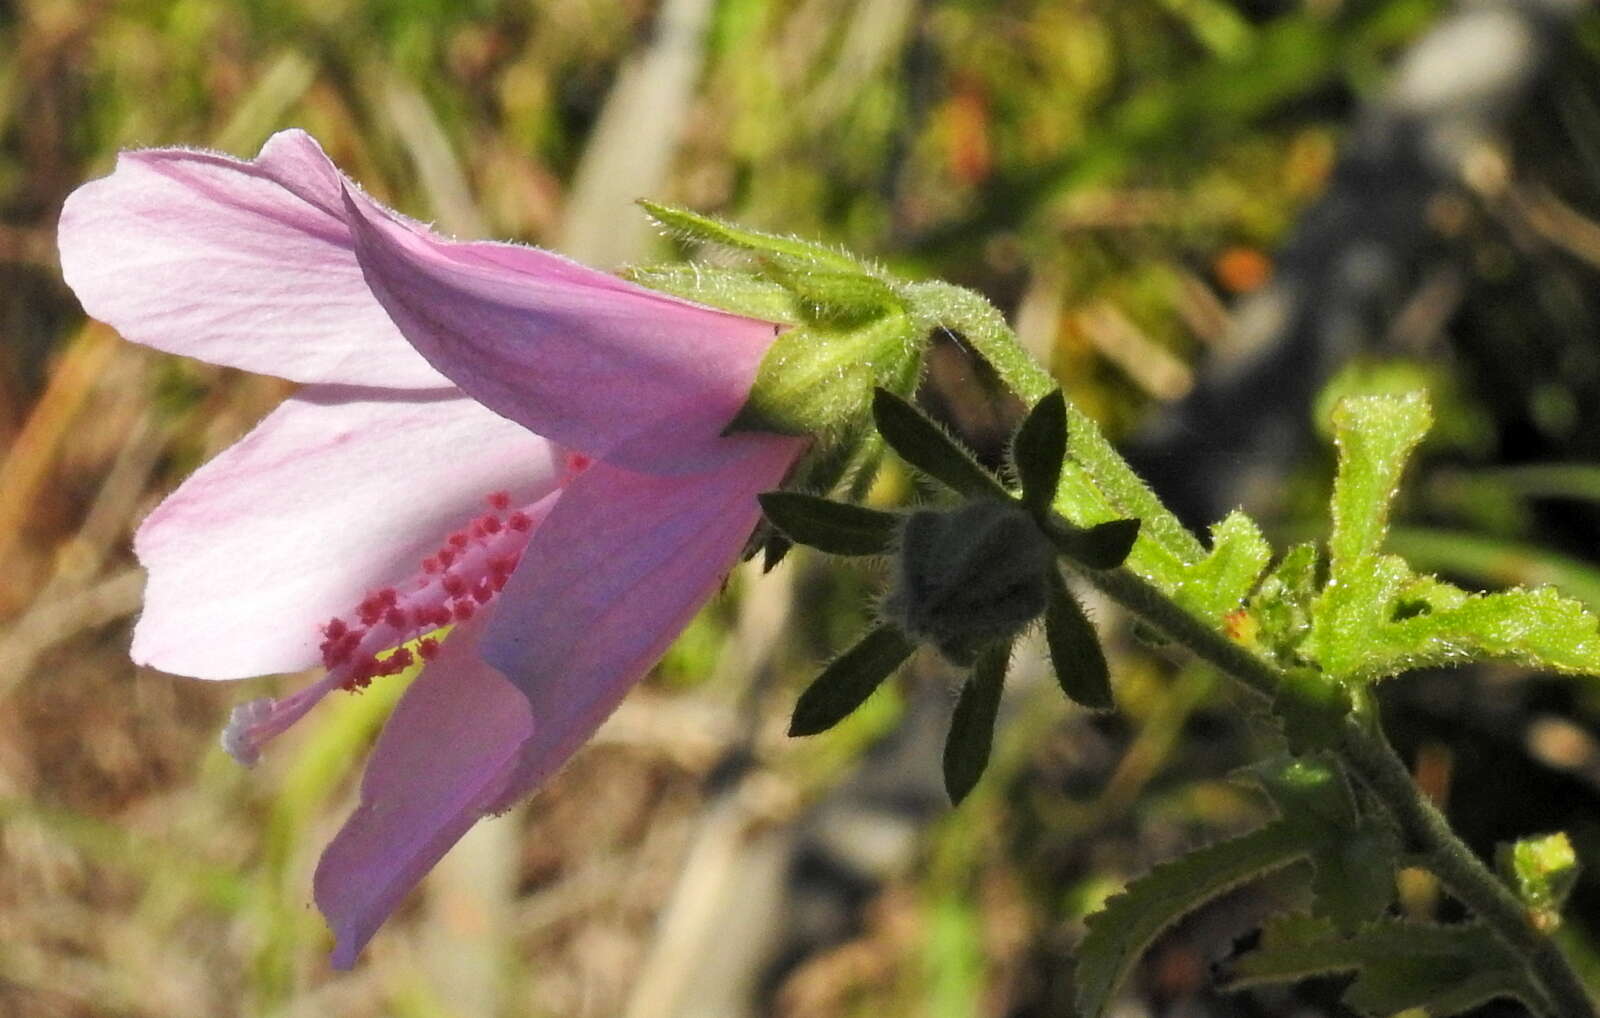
{"x":1537,"y":628}
{"x":1219,"y":583}
{"x":1375,"y":436}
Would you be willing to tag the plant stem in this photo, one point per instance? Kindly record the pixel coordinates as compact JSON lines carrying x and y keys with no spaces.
{"x":1359,"y":743}
{"x":1368,"y":755}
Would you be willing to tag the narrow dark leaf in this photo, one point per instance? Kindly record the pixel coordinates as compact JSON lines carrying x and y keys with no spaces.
{"x":1102,"y":546}
{"x":834,"y":527}
{"x":1075,"y":653}
{"x":774,"y":551}
{"x":926,"y":446}
{"x":1037,"y":450}
{"x":966,"y":750}
{"x":846,"y":683}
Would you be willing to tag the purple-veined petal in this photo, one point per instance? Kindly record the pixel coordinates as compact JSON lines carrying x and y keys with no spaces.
{"x":441,"y":760}
{"x":335,"y":493}
{"x":642,"y":380}
{"x":247,"y":264}
{"x":608,"y":581}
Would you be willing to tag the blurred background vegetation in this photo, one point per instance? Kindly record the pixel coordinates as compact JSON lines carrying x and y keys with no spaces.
{"x":1140,"y":184}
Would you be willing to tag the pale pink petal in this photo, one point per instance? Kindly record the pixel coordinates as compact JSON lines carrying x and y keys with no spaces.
{"x":440,"y":762}
{"x":610,"y":578}
{"x":247,"y":264}
{"x":336,"y":492}
{"x":642,"y":380}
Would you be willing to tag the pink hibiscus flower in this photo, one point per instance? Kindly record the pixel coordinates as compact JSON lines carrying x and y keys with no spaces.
{"x":489,"y":436}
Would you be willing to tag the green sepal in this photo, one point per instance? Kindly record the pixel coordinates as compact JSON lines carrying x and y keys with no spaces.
{"x":840,"y":299}
{"x":966,"y":748}
{"x":1119,"y":933}
{"x":1399,"y":965}
{"x":706,"y":229}
{"x":1542,"y":871}
{"x":737,"y":290}
{"x":852,"y":677}
{"x":817,"y":380}
{"x":931,"y":449}
{"x":837,"y":528}
{"x":1037,"y":452}
{"x":1075,"y":654}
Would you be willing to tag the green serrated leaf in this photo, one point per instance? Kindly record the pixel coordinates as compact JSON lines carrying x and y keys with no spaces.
{"x":816,"y":381}
{"x":1536,"y":628}
{"x":931,"y":449}
{"x":1037,"y":451}
{"x":1350,"y":611}
{"x":1399,"y":965}
{"x":735,"y":290}
{"x":1282,"y":604}
{"x":966,"y":749}
{"x":1130,"y":921}
{"x":852,"y":677}
{"x":833,"y":527}
{"x":1075,"y":654}
{"x":793,"y":250}
{"x":1375,"y":436}
{"x":1543,"y":871}
{"x":1219,"y":583}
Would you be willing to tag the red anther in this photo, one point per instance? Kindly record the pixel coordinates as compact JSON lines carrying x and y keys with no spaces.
{"x":482,"y":592}
{"x":520,"y":522}
{"x":500,"y":500}
{"x":334,"y":629}
{"x":476,"y":530}
{"x":431,"y":564}
{"x":398,"y":662}
{"x":499,"y":580}
{"x":501,"y":565}
{"x":395,"y":618}
{"x":577,"y":461}
{"x":428,"y":647}
{"x":388,"y":597}
{"x":369,"y":612}
{"x":463,"y":610}
{"x":490,"y":524}
{"x":453,"y":585}
{"x":459,"y":539}
{"x":447,"y":557}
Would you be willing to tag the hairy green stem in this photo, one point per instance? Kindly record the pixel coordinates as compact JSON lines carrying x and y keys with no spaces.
{"x":1360,"y":742}
{"x":1368,"y":755}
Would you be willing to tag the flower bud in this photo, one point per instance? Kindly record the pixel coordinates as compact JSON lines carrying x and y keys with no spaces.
{"x":969,"y":577}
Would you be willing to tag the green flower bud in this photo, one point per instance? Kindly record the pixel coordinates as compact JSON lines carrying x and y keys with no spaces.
{"x":970,"y":577}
